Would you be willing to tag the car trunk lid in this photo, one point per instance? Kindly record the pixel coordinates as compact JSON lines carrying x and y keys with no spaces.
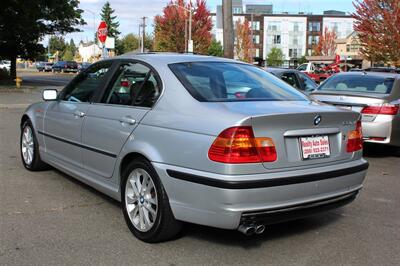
{"x":352,"y":101}
{"x":287,"y":122}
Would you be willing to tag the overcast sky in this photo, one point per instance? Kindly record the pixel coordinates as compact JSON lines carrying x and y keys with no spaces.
{"x":129,"y":12}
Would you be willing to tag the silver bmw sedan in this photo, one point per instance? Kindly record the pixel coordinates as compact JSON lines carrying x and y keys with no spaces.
{"x":185,"y":138}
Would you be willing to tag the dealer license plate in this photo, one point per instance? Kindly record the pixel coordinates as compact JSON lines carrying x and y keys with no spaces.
{"x":315,"y":147}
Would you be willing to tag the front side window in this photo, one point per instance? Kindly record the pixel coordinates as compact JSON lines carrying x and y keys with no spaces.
{"x":350,"y":83}
{"x":133,"y":84}
{"x":226,"y":82}
{"x":308,"y":83}
{"x":85,"y":85}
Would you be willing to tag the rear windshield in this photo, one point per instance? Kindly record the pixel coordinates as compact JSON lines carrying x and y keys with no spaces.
{"x":223,"y":82}
{"x":359,"y":83}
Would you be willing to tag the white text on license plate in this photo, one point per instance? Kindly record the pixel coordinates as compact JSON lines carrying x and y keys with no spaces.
{"x":315,"y":147}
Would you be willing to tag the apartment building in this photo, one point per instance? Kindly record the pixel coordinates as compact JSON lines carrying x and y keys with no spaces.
{"x":294,"y":34}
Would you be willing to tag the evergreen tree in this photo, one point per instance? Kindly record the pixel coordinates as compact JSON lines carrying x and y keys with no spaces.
{"x":107,"y":16}
{"x":216,"y":49}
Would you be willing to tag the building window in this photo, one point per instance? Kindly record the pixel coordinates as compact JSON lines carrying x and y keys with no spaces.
{"x":347,"y":47}
{"x":312,"y":39}
{"x":295,"y":40}
{"x":277,"y":39}
{"x":314,"y":26}
{"x":293,"y":53}
{"x":257,"y":52}
{"x":237,"y":10}
{"x":256,"y":25}
{"x":256,"y":39}
{"x":274,"y":26}
{"x":296,"y":26}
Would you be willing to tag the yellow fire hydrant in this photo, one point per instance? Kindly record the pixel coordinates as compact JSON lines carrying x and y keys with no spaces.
{"x":18,"y":82}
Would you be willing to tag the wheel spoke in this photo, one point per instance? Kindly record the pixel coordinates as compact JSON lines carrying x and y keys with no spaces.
{"x":141,"y":219}
{"x":131,"y":199}
{"x":134,"y":188}
{"x":150,"y":209}
{"x":151,"y":200}
{"x":137,"y":181}
{"x":132,"y":208}
{"x":146,"y":217}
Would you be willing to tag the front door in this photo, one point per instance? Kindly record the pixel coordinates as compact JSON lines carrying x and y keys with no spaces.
{"x":133,"y":90}
{"x":64,"y":118}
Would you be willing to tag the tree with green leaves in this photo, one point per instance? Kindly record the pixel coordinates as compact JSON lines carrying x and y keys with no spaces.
{"x":275,"y":57}
{"x":107,"y":16}
{"x":216,"y":49}
{"x":128,"y":43}
{"x":23,"y":24}
{"x":56,"y":43}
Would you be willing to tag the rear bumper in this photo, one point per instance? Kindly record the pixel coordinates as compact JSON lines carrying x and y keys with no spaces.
{"x":381,"y":130}
{"x":297,"y":211}
{"x":227,"y":201}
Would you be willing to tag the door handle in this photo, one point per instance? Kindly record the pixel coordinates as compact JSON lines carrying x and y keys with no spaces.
{"x":127,"y":120}
{"x":79,"y":113}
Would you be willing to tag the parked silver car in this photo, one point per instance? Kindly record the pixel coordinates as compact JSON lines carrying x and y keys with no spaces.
{"x":169,"y":137}
{"x":375,"y":95}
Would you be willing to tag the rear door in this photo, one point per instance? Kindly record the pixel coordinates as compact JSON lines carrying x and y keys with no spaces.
{"x":132,"y":91}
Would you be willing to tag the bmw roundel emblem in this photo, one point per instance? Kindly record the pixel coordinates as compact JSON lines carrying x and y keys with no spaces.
{"x":317,"y":120}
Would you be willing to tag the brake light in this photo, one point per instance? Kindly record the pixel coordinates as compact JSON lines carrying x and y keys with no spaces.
{"x":385,"y":109}
{"x":355,"y":139}
{"x":238,"y":145}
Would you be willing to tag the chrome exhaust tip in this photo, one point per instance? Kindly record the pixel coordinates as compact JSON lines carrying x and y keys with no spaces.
{"x":247,"y":230}
{"x":260,"y":229}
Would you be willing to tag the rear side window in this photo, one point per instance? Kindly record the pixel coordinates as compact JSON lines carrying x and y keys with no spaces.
{"x":133,"y":84}
{"x":291,"y":79}
{"x":223,"y":82}
{"x":359,"y":83}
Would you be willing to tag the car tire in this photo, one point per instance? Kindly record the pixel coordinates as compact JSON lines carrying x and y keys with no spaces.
{"x":29,"y":148}
{"x":160,"y":227}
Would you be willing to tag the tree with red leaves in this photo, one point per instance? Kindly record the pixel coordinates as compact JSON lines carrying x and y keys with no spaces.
{"x":169,"y":28}
{"x":377,"y":23}
{"x":326,"y":45}
{"x":244,"y":43}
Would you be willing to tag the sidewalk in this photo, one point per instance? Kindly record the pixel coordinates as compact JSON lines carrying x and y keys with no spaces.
{"x":12,"y":97}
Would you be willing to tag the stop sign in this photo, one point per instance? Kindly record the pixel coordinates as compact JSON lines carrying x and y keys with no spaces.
{"x":102,"y":32}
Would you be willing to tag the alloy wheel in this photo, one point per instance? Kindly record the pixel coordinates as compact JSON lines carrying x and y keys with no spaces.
{"x":141,"y":200}
{"x":27,"y":146}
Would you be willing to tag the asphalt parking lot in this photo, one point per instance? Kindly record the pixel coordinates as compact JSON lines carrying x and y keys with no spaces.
{"x":50,"y":218}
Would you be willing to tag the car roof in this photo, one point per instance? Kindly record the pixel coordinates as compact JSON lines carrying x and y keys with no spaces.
{"x":276,"y":70}
{"x":369,"y":73}
{"x":170,"y":58}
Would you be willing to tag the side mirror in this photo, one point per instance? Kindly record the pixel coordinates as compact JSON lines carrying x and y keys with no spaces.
{"x":49,"y":95}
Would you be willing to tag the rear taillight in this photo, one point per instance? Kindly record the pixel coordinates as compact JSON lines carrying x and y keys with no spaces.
{"x":354,"y":139}
{"x":385,"y":109}
{"x":238,"y":145}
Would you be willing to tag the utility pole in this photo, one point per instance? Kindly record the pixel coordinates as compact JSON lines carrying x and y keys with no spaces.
{"x":227,"y":24}
{"x":140,"y":37}
{"x":143,"y":32}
